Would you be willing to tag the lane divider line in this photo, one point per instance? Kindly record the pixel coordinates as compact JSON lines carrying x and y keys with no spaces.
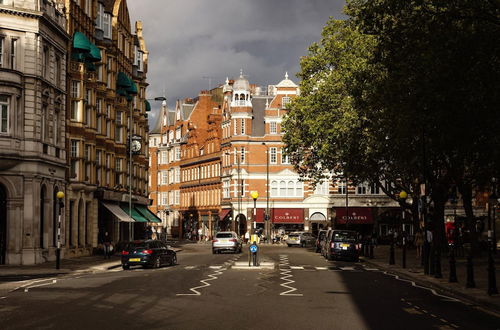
{"x":26,"y":289}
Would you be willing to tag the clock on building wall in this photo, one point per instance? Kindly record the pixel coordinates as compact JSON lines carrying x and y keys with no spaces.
{"x":136,"y":144}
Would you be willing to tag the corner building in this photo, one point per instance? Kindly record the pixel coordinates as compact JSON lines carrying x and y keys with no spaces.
{"x":33,"y":152}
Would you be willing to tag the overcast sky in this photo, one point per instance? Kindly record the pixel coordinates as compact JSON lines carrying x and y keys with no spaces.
{"x":190,"y":40}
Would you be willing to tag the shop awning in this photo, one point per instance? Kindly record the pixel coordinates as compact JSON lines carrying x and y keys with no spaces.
{"x":122,"y":81}
{"x":147,"y":214}
{"x":95,"y":53}
{"x":224,"y":213}
{"x":135,"y":215}
{"x":81,"y":43}
{"x":148,"y":105}
{"x":357,"y":215}
{"x":117,"y":212}
{"x":132,"y":90}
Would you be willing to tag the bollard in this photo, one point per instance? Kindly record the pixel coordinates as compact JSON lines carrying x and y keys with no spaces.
{"x":492,"y":282}
{"x":404,"y":254}
{"x":371,"y":251}
{"x":253,"y":251}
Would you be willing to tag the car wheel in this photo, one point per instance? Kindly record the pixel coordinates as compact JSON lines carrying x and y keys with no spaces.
{"x":213,"y":251}
{"x":126,"y":267}
{"x":289,"y":245}
{"x":157,"y":263}
{"x":173,"y":262}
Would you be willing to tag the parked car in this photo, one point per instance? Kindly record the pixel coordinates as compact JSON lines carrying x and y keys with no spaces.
{"x":319,"y":240}
{"x":147,"y":253}
{"x":226,"y":241}
{"x":300,"y":238}
{"x":342,"y":244}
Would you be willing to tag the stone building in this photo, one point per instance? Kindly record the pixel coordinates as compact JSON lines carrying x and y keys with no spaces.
{"x":33,"y":153}
{"x":107,"y":126}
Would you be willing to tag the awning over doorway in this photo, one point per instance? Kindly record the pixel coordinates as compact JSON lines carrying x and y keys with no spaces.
{"x":135,"y":214}
{"x":118,"y":212}
{"x":147,"y":213}
{"x":357,"y":215}
{"x":224,"y":213}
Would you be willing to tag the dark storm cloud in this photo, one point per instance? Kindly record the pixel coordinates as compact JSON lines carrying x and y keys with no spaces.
{"x":191,"y":39}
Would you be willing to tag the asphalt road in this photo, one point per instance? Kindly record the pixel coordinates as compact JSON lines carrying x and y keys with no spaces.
{"x":304,"y":291}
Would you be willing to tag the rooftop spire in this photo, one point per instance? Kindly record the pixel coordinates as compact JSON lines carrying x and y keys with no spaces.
{"x":286,"y":75}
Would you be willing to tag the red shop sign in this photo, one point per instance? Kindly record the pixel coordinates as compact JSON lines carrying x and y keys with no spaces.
{"x":357,"y":215}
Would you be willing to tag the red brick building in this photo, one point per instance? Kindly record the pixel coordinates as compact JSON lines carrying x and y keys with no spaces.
{"x":227,"y":143}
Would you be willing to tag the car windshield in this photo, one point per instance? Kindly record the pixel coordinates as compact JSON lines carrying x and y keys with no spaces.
{"x":344,"y":236}
{"x":136,"y":245}
{"x":294,"y":235}
{"x":224,"y":235}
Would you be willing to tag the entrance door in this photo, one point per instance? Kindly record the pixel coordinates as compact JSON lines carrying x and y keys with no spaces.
{"x":3,"y":225}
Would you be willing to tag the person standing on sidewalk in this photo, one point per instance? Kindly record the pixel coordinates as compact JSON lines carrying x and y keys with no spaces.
{"x":107,"y":245}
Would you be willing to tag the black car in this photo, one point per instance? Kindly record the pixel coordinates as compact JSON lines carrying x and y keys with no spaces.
{"x":342,"y":244}
{"x":321,"y":237}
{"x":147,"y":253}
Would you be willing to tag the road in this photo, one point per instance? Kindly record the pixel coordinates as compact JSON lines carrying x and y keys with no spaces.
{"x":304,"y":291}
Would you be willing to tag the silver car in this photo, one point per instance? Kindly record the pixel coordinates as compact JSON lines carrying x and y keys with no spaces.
{"x":226,"y":241}
{"x":300,"y":239}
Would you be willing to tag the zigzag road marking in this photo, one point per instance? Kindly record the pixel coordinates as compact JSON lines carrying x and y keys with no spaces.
{"x":205,"y":284}
{"x":286,"y":274}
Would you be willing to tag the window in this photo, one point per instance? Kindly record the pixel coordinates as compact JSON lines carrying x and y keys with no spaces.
{"x":45,"y":62}
{"x":74,"y":158}
{"x":178,"y":133}
{"x":88,"y":7}
{"x":177,"y":175}
{"x":341,"y":187}
{"x":57,"y":71}
{"x":299,"y":189}
{"x":118,"y":169}
{"x":75,"y":95}
{"x":374,"y":189}
{"x":13,"y":51}
{"x":177,"y":153}
{"x":273,"y":127}
{"x":1,"y":50}
{"x":99,"y":14}
{"x":109,"y":75}
{"x":119,"y":128}
{"x":226,"y":189}
{"x":282,"y":188}
{"x":164,"y":157}
{"x":177,"y":195}
{"x":285,"y":102}
{"x":274,"y":188}
{"x":164,"y":198}
{"x":321,"y":188}
{"x":290,"y":188}
{"x":45,"y":123}
{"x":242,"y":155}
{"x":273,"y":158}
{"x":4,"y":114}
{"x":361,"y":189}
{"x":242,"y":123}
{"x":106,"y":25}
{"x":56,"y":128}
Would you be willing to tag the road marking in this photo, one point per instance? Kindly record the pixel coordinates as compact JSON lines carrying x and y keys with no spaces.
{"x":189,"y":267}
{"x":286,"y":274}
{"x":26,"y":289}
{"x":31,"y":282}
{"x":321,"y":268}
{"x":371,"y":269}
{"x":215,"y":267}
{"x":3,"y":297}
{"x":347,"y":268}
{"x":296,"y":267}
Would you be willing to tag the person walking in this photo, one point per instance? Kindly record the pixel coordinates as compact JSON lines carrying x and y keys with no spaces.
{"x":419,"y":241}
{"x":107,"y":245}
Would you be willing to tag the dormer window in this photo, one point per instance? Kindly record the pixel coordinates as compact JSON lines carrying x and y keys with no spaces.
{"x":285,"y":101}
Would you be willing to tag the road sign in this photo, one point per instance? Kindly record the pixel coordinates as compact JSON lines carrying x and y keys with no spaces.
{"x":253,"y":248}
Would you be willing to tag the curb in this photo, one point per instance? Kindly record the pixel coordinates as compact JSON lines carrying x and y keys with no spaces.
{"x":450,"y":291}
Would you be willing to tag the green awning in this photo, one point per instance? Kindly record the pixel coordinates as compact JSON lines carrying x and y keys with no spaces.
{"x":132,"y":90}
{"x":81,"y":43}
{"x":147,"y":213}
{"x":90,"y":66}
{"x":121,"y":92}
{"x":95,"y":53}
{"x":135,"y":215}
{"x":123,"y":81}
{"x":148,"y":105}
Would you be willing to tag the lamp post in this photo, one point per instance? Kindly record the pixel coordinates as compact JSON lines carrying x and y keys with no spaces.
{"x":254,"y":195}
{"x":238,"y":218}
{"x":453,"y":265}
{"x":492,"y":201}
{"x":267,"y":215}
{"x":60,"y":198}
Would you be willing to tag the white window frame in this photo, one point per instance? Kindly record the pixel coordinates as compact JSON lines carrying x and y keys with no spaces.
{"x":4,"y":114}
{"x":273,"y":155}
{"x":273,"y":127}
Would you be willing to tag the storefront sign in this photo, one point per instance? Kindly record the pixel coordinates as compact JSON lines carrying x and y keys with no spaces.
{"x":356,"y":215}
{"x":282,"y":215}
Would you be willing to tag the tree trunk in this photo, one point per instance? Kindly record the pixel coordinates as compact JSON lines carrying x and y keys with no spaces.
{"x":465,"y":190}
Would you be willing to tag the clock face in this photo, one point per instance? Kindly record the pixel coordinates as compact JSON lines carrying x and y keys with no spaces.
{"x":136,"y":146}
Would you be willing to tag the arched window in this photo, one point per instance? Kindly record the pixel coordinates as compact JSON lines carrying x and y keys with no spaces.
{"x":299,"y":189}
{"x":242,"y":97}
{"x":282,"y":188}
{"x":290,"y":188}
{"x":274,"y":188}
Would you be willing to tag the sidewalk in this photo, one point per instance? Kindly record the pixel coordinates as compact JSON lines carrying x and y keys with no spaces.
{"x":478,"y":295}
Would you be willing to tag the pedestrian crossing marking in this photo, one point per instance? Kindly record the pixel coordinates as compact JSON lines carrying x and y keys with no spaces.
{"x":296,"y":267}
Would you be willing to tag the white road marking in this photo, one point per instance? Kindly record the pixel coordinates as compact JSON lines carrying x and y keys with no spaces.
{"x":31,"y":282}
{"x":321,"y":268}
{"x":215,"y":267}
{"x":26,"y":289}
{"x":371,"y":269}
{"x":347,"y":268}
{"x":286,"y":274}
{"x":3,"y":297}
{"x":296,"y":267}
{"x":189,"y":267}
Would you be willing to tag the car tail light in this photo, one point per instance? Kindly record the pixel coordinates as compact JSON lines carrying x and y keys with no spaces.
{"x":147,"y":251}
{"x":332,"y":245}
{"x":358,"y":246}
{"x":124,"y":253}
{"x":214,"y":241}
{"x":233,"y":240}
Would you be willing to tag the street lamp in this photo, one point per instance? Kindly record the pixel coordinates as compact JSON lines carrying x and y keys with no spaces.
{"x":267,"y":215}
{"x":60,"y":198}
{"x":254,"y":195}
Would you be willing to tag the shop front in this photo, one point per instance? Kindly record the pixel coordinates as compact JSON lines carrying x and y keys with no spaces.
{"x":359,"y":219}
{"x":282,"y":220}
